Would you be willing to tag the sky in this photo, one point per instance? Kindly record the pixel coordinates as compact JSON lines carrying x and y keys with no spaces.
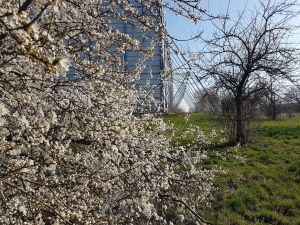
{"x":182,"y":28}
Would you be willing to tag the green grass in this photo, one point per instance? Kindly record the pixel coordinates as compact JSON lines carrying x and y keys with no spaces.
{"x":263,"y":189}
{"x":205,"y":122}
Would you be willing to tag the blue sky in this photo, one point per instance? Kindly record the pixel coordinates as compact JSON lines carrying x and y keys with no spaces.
{"x":182,"y":28}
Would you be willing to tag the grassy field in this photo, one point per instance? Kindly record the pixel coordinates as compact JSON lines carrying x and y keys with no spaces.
{"x":262,"y":181}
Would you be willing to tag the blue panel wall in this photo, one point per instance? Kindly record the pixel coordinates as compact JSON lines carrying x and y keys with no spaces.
{"x":152,"y":67}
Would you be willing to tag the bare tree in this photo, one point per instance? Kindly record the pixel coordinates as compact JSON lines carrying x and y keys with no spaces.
{"x":291,"y":101}
{"x":243,"y":54}
{"x":293,"y":96}
{"x":271,"y":99}
{"x":204,"y":99}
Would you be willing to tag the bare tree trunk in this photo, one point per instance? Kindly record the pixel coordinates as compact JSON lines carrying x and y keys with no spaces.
{"x":273,"y":103}
{"x":240,"y":134}
{"x":274,"y":111}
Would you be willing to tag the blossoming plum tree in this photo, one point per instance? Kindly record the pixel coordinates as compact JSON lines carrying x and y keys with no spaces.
{"x":71,"y":149}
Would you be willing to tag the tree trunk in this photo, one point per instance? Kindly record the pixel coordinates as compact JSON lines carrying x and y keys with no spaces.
{"x":273,"y":105}
{"x":274,"y":111}
{"x":240,"y":132}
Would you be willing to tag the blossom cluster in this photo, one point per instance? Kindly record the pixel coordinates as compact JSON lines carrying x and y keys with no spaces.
{"x":72,"y":150}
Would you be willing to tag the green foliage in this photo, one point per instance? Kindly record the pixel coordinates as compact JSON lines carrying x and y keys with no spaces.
{"x":262,"y":181}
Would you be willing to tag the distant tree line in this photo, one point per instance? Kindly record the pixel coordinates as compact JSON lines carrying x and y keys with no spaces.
{"x":269,"y":103}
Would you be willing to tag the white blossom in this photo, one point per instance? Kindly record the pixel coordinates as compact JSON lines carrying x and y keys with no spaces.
{"x":64,"y":64}
{"x":3,"y":110}
{"x":72,"y":150}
